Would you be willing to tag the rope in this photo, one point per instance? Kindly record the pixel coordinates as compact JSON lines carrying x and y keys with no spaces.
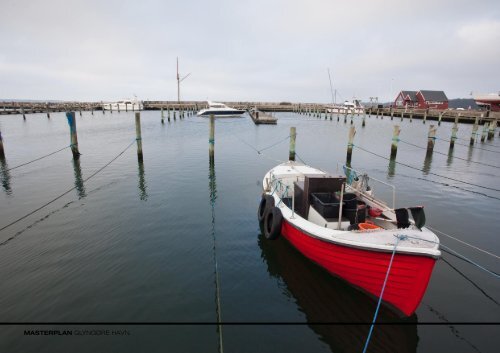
{"x":453,"y":252}
{"x":34,"y":160}
{"x":456,"y":254}
{"x":274,"y":144}
{"x":66,"y":192}
{"x":451,"y":186}
{"x":463,"y":144}
{"x":213,"y":197}
{"x":463,"y":242}
{"x":471,"y":281}
{"x":419,"y":169}
{"x":381,"y":293}
{"x":444,"y":154}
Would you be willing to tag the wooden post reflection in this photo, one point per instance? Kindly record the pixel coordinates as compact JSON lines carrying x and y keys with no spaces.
{"x":143,"y":194}
{"x":5,"y":176}
{"x":80,"y":188}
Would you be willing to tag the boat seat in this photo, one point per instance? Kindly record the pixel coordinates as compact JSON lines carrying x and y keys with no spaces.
{"x":402,"y":217}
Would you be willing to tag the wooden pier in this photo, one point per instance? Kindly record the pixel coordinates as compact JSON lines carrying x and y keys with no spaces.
{"x":259,"y":117}
{"x":314,"y":109}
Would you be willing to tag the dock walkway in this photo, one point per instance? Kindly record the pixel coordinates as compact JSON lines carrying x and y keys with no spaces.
{"x":259,"y":117}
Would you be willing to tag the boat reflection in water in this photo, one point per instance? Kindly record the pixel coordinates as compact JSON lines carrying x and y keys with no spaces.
{"x":339,"y":313}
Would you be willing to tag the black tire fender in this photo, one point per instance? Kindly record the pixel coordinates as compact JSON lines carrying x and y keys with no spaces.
{"x":266,"y":202}
{"x":272,"y":223}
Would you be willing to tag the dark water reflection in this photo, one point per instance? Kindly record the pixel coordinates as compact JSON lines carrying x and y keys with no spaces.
{"x":143,"y":194}
{"x":5,"y":176}
{"x":80,"y":188}
{"x":336,"y":311}
{"x":101,"y":253}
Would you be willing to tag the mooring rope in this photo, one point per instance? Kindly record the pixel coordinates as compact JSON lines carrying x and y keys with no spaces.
{"x":474,"y":146}
{"x":68,"y":191}
{"x":444,"y":154}
{"x":37,"y":159}
{"x":420,"y":169}
{"x":457,"y":254}
{"x":471,"y":281}
{"x":463,"y":242}
{"x":399,"y":237}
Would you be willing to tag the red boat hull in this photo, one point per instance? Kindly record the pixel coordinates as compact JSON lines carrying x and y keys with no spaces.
{"x":366,"y":269}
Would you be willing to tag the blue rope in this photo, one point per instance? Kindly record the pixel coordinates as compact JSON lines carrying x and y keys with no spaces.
{"x":382,"y":292}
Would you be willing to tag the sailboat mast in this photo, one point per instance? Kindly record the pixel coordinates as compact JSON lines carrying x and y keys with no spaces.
{"x":178,"y":83}
{"x":334,"y":97}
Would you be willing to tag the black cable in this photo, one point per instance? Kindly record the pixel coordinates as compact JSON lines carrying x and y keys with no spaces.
{"x":444,"y":154}
{"x":473,"y":146}
{"x":66,"y":192}
{"x":421,"y":170}
{"x":34,"y":160}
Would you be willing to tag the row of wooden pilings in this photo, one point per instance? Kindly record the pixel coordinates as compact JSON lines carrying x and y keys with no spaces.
{"x":431,"y":137}
{"x":181,"y":113}
{"x":489,"y":127}
{"x":319,"y":112}
{"x":74,"y":139}
{"x":74,"y":136}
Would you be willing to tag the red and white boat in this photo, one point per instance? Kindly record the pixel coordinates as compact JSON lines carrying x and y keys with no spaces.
{"x":346,"y":230}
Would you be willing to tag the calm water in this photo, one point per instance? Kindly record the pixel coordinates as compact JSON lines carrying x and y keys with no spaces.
{"x":136,"y":242}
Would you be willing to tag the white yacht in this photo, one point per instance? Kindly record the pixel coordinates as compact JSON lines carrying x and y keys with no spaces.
{"x":353,"y":107}
{"x":220,"y":110}
{"x":124,"y":104}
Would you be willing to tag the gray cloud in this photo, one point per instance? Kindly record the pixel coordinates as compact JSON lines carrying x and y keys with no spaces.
{"x":262,"y":50}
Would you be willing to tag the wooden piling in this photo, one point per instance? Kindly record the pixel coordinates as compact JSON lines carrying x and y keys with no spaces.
{"x":491,"y":131}
{"x":174,"y":115}
{"x":485,"y":131}
{"x":395,"y":140}
{"x":425,"y":115}
{"x":138,"y":136}
{"x":474,"y":132}
{"x":73,"y":136}
{"x":411,"y":116}
{"x":440,"y":117}
{"x":454,"y":130}
{"x":352,"y":132}
{"x":293,"y":136}
{"x":2,"y":153}
{"x":392,"y":114}
{"x":431,"y":137}
{"x":211,"y":137}
{"x":363,"y":123}
{"x":162,"y":116}
{"x":48,"y":111}
{"x":22,"y":112}
{"x":345,"y":117}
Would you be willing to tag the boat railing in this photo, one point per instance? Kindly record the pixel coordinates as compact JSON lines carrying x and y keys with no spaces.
{"x":361,"y":186}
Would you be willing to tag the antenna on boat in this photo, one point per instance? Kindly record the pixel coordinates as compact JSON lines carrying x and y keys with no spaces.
{"x":331,"y":87}
{"x":179,"y":80}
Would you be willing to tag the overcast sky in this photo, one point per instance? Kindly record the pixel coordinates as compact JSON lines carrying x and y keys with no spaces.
{"x":257,"y":50}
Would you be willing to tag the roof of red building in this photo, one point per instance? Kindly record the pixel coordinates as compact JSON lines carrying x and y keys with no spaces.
{"x":436,"y":96}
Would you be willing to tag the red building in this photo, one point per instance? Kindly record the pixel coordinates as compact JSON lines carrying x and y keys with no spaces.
{"x":432,"y":99}
{"x":406,"y":99}
{"x":422,"y":99}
